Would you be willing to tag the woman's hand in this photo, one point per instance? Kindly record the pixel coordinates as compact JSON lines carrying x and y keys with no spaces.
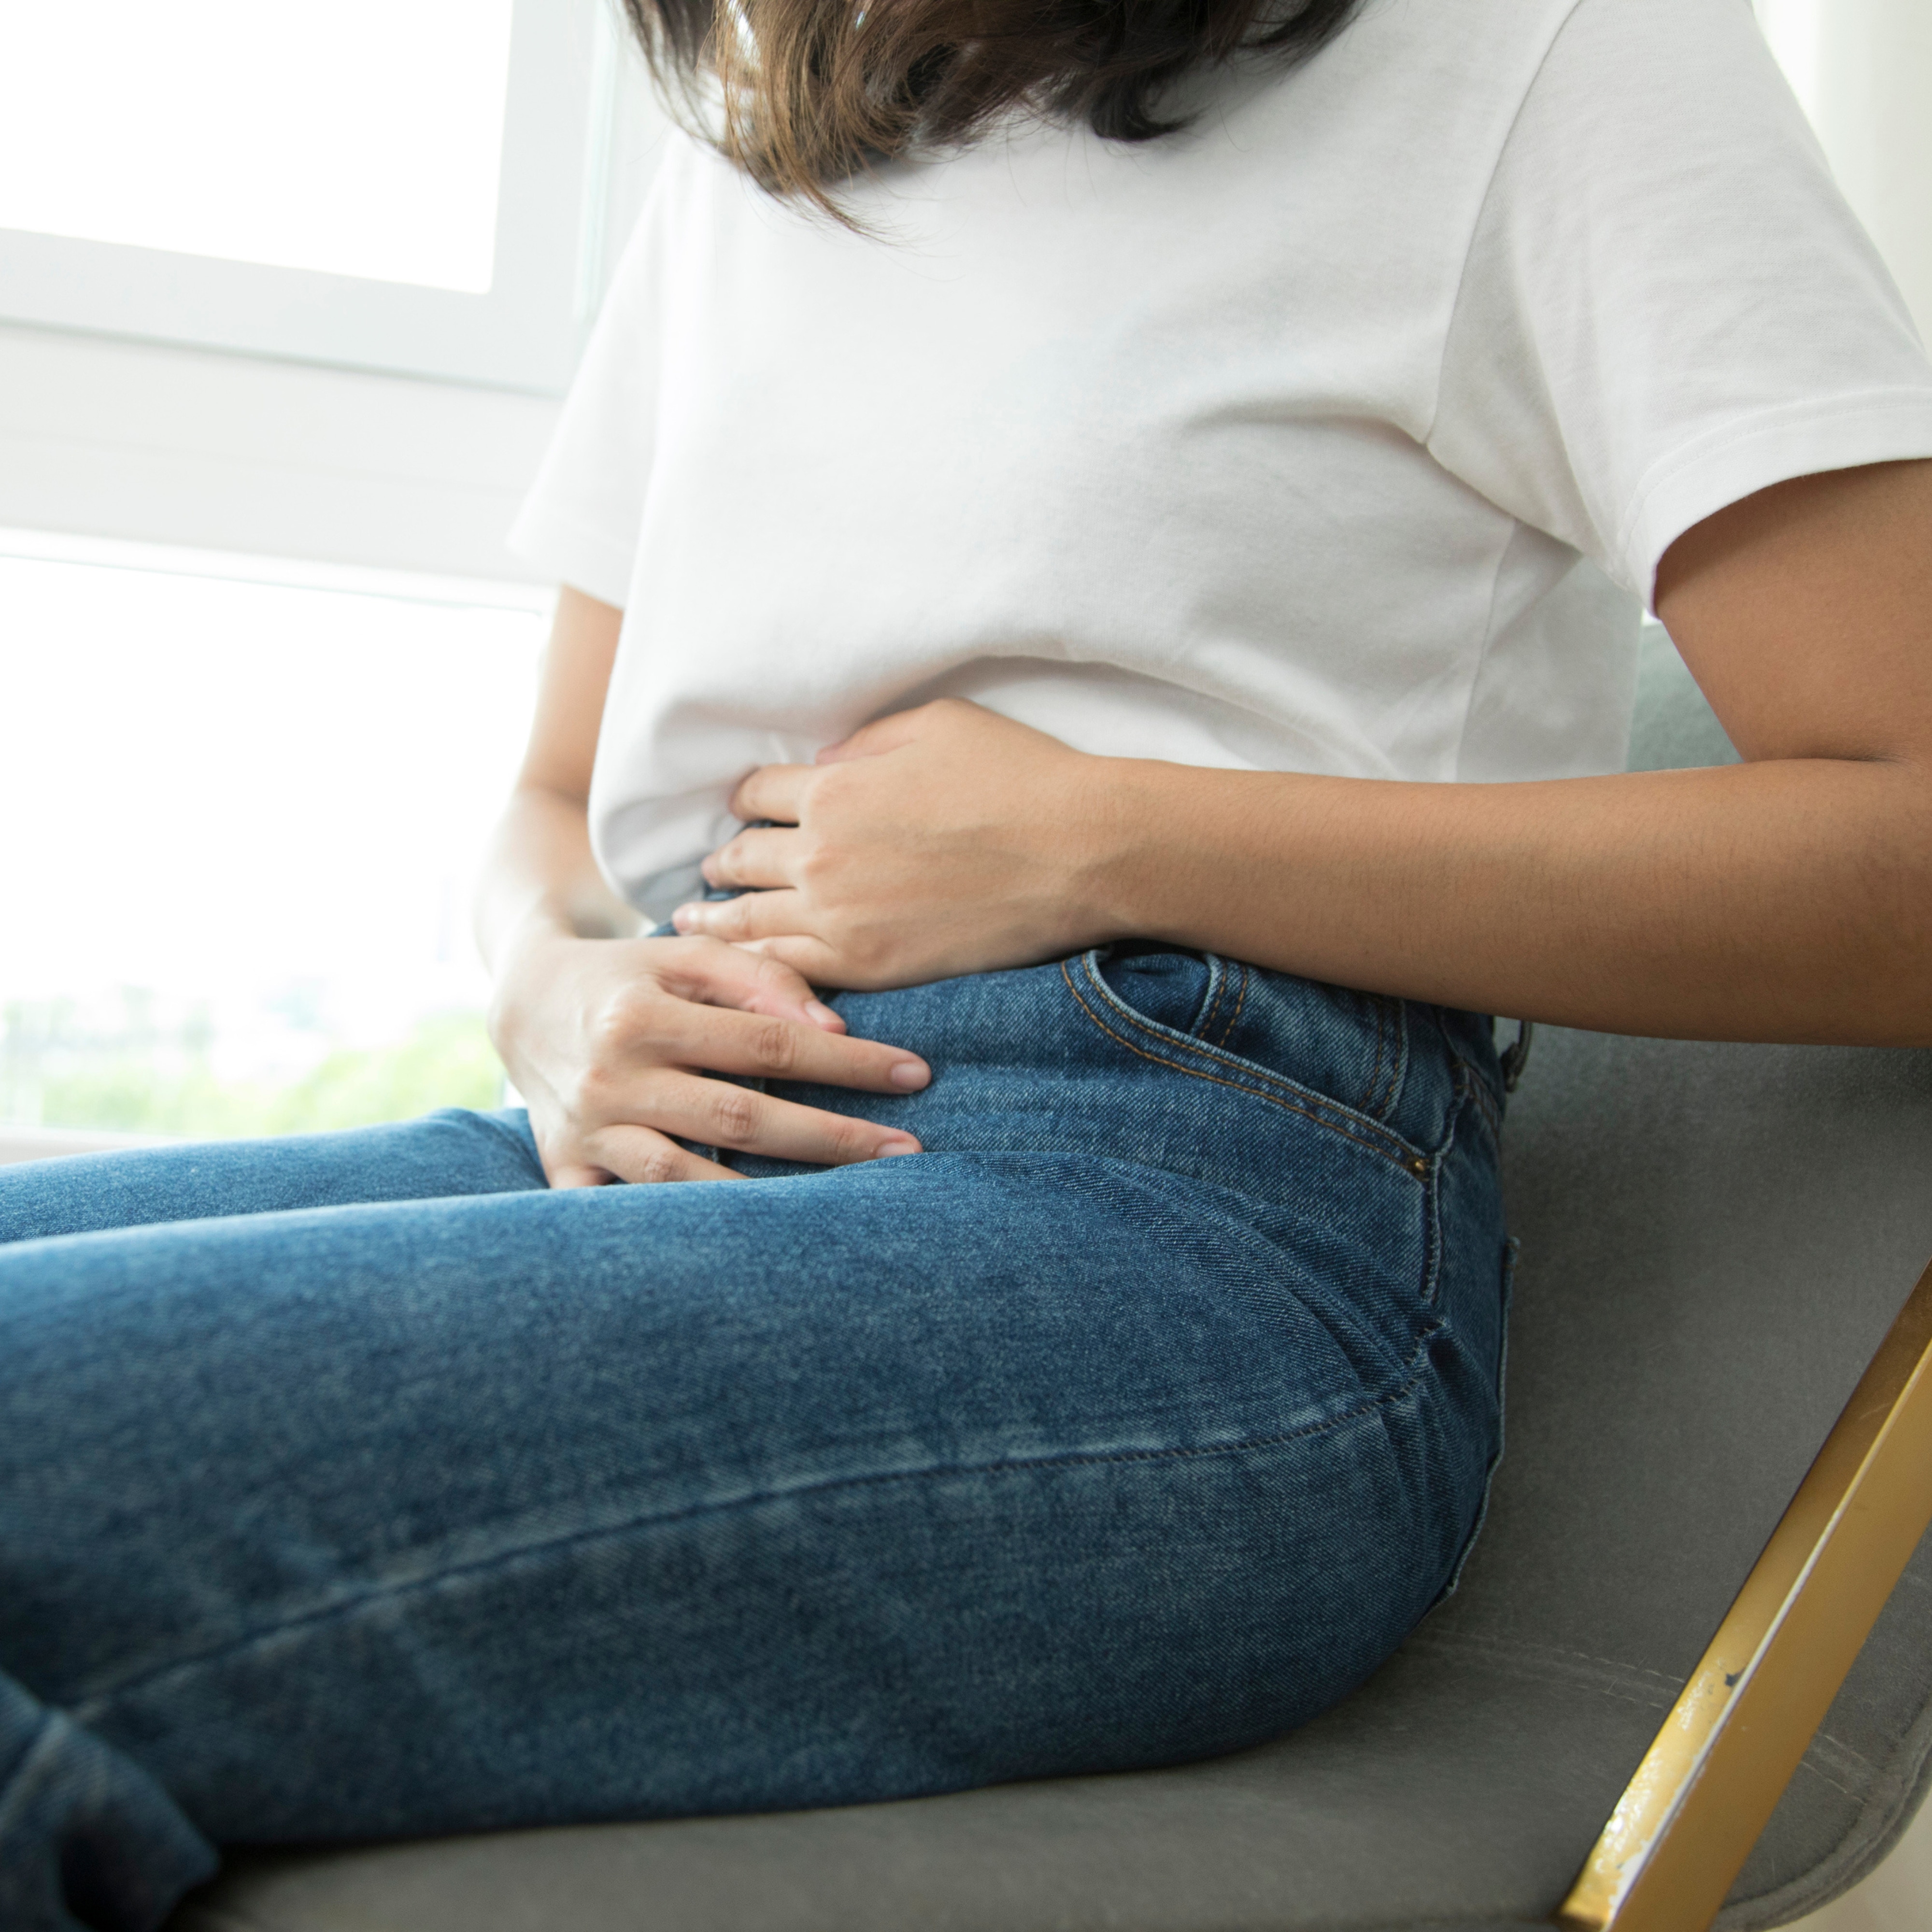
{"x":941,"y":841}
{"x":608,"y":1041}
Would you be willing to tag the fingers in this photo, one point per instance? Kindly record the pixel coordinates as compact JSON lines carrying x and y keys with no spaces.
{"x":715,"y":1113}
{"x":762,"y":1048}
{"x":564,"y":1174}
{"x":811,"y":957}
{"x":778,"y":791}
{"x":773,"y":791}
{"x":759,"y":856}
{"x":801,"y":955}
{"x":635,"y":1085}
{"x":885,"y":734}
{"x":718,"y":975}
{"x":718,"y":1113}
{"x":644,"y":1157}
{"x":776,"y":914}
{"x":622,"y":1151}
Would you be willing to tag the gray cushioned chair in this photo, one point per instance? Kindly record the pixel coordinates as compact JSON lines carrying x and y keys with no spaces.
{"x":1714,"y":1240}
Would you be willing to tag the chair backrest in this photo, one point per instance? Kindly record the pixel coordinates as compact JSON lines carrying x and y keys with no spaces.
{"x":1665,"y":1400}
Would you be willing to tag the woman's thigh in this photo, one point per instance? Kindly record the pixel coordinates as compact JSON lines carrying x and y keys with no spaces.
{"x":452,"y":1152}
{"x":417,"y":1516}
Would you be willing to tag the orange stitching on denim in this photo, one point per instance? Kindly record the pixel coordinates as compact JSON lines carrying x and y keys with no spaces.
{"x":1405,"y":1155}
{"x":1393,"y":1008}
{"x":1375,"y":1085}
{"x":1154,"y":1031}
{"x":1217,"y":975}
{"x":1407,"y":1162}
{"x":1200,"y":1046}
{"x":1240,"y":1001}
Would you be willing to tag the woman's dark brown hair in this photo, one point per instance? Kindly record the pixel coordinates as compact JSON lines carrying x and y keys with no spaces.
{"x":810,"y":92}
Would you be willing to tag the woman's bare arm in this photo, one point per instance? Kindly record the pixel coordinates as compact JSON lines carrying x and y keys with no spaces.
{"x":540,"y":865}
{"x":609,"y":1037}
{"x":1788,"y":898}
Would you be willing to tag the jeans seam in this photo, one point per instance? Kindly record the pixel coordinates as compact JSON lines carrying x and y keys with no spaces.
{"x":1375,"y":1086}
{"x":1399,"y":1155}
{"x":1218,"y":986}
{"x":1385,"y":1097}
{"x":87,"y":1710}
{"x":1473,"y":1084}
{"x":1240,"y":1001}
{"x":1468,"y":1091}
{"x":1432,"y":1210}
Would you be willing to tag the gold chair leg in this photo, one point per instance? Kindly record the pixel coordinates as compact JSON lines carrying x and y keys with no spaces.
{"x":1712,"y":1776}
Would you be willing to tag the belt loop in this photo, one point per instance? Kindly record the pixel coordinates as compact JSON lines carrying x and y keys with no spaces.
{"x":1516,"y":1056}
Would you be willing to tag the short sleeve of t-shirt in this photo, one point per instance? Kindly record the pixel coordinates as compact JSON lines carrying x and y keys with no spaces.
{"x":579,"y":523}
{"x":1666,"y":304}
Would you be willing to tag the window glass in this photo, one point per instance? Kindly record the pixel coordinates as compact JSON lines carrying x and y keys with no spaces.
{"x":244,"y":820}
{"x":362,"y":138}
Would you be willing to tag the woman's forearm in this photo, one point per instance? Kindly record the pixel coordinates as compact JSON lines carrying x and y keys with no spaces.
{"x":540,"y":875}
{"x":1790,"y":899}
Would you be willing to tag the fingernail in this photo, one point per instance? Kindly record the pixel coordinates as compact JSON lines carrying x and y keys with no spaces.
{"x":898,"y":1143}
{"x":910,"y":1074}
{"x":685,"y":918}
{"x":820,"y":1014}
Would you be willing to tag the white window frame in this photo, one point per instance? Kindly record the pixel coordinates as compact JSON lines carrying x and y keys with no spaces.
{"x":174,"y":443}
{"x":522,"y":334}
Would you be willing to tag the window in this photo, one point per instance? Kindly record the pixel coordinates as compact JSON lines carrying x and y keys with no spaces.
{"x":247,"y":334}
{"x":286,"y":300}
{"x":125,"y":122}
{"x":247,"y":803}
{"x":415,"y":185}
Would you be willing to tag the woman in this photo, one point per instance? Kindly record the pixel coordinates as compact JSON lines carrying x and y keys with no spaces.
{"x":1155,"y":580}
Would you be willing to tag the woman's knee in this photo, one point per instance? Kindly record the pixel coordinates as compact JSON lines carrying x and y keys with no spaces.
{"x":453,"y":1152}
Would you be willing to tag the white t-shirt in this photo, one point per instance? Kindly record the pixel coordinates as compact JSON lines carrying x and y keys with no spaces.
{"x":1341,"y":433}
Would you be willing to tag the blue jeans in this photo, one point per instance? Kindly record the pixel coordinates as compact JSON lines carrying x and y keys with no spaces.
{"x":355,"y":1485}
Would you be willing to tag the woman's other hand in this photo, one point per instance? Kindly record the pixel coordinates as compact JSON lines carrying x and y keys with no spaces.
{"x":609,"y":1037}
{"x":940,"y":841}
{"x":609,"y":1041}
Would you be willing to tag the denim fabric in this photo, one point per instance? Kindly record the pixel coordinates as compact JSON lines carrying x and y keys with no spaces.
{"x":356,"y":1485}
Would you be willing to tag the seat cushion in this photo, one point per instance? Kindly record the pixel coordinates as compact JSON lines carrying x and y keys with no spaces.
{"x":1455,"y":1785}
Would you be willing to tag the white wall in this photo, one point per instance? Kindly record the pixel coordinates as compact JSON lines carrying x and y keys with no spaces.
{"x":1863,"y":69}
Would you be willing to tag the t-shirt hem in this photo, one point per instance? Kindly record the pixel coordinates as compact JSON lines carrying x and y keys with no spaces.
{"x":1725,"y":466}
{"x":573,"y":553}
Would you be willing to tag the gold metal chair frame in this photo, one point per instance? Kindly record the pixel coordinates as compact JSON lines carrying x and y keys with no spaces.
{"x":1712,"y":1776}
